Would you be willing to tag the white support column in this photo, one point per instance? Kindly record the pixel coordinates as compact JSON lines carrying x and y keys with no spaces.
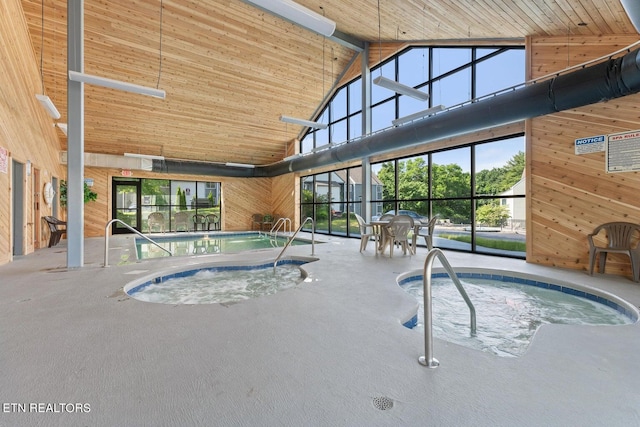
{"x":75,"y":136}
{"x":366,"y":128}
{"x":366,"y":189}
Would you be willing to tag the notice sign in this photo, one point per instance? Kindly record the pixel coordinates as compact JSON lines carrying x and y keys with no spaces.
{"x":4,"y":160}
{"x":591,"y":144}
{"x":623,"y":152}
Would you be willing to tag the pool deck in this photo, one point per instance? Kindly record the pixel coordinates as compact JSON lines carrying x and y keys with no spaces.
{"x":330,"y":352}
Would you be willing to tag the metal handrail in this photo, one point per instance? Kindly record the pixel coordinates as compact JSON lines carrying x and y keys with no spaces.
{"x":106,"y":239}
{"x":281,"y":222}
{"x":273,"y":236}
{"x":428,"y":360}
{"x":313,"y":247}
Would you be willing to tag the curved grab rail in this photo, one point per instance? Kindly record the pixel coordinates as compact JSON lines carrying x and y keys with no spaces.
{"x":428,"y":360}
{"x":313,"y":240}
{"x":281,"y":223}
{"x":106,"y":239}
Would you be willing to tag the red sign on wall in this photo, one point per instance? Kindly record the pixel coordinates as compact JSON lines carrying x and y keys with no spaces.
{"x":126,"y":172}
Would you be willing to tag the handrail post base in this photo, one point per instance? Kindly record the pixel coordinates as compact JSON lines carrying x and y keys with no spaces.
{"x":432,"y":363}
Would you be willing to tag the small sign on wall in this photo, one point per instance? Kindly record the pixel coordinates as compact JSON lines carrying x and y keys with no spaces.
{"x":623,"y":152}
{"x":591,"y":144}
{"x":4,"y":160}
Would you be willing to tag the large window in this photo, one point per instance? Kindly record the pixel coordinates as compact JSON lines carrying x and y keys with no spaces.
{"x":477,"y":191}
{"x":450,"y":75}
{"x":332,"y":199}
{"x":174,"y":203}
{"x":344,"y":116}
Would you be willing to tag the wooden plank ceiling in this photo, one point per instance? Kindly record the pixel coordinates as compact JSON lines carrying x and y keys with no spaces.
{"x":230,"y":70}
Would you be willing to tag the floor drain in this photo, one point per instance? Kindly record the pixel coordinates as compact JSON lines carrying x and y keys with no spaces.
{"x":382,"y":403}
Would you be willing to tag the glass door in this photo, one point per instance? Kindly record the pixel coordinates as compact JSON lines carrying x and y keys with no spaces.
{"x":126,"y":205}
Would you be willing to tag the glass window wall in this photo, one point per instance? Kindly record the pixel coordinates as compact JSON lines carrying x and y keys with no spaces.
{"x":474,"y":190}
{"x":174,"y":204}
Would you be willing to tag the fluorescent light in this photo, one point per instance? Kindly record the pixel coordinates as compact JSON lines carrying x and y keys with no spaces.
{"x":302,"y":122}
{"x":632,"y":7}
{"x":418,"y":115}
{"x":48,"y":105}
{"x":400,"y":88}
{"x":63,"y":127}
{"x":144,"y":156}
{"x":297,"y":14}
{"x":116,"y":84}
{"x":240,"y":165}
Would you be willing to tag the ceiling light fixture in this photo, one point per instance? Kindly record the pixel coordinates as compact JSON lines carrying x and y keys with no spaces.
{"x":46,"y":102}
{"x":144,"y":156}
{"x":632,"y":7}
{"x":300,"y":15}
{"x":116,"y":84}
{"x":240,"y":165}
{"x":62,"y":127}
{"x":400,"y":88}
{"x":302,"y":122}
{"x":419,"y":115}
{"x":48,"y":105}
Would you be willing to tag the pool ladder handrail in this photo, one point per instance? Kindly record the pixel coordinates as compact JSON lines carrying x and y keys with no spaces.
{"x":280,"y":223}
{"x":313,"y":247}
{"x":106,"y":239}
{"x":428,"y":360}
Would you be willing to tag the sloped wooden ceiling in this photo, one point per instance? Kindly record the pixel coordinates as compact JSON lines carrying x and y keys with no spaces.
{"x":230,"y":70}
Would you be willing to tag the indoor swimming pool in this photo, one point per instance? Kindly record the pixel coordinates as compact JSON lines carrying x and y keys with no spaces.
{"x":181,"y":244}
{"x":509,"y":309}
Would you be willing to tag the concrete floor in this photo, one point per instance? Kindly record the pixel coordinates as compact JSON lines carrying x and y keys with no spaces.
{"x":330,"y":352}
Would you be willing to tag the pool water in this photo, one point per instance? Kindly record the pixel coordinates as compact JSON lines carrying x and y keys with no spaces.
{"x":210,"y":243}
{"x":508,"y":314}
{"x":219,"y":285}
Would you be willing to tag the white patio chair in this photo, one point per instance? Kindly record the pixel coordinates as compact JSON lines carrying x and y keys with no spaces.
{"x":397,"y":233}
{"x":365,"y":235}
{"x":428,"y":237}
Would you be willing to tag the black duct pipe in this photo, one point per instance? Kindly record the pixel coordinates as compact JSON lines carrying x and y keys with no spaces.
{"x":201,"y":168}
{"x":611,"y":79}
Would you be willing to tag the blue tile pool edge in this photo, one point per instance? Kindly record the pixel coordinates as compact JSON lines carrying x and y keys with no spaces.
{"x":622,"y":306}
{"x":159,"y":277}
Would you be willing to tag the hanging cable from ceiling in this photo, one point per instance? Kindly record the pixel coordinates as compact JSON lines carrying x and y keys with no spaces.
{"x":46,"y":102}
{"x":160,"y":48}
{"x":42,"y":45}
{"x":324,"y":39}
{"x":379,"y":40}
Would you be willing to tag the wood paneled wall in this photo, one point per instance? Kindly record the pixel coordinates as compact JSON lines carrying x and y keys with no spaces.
{"x":26,"y":131}
{"x":285,"y":199}
{"x":569,"y":194}
{"x":98,"y":212}
{"x":242,"y":198}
